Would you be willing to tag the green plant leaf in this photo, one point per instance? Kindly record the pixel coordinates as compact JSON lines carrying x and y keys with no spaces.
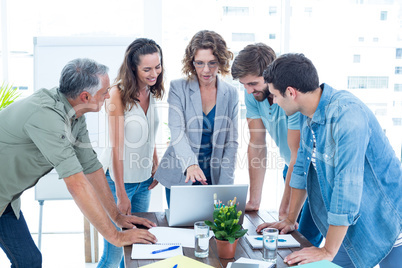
{"x":209,"y":223}
{"x":8,"y":94}
{"x":240,"y":233}
{"x":231,"y":240}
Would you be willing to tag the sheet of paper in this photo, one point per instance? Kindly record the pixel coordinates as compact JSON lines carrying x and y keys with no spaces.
{"x":284,"y":241}
{"x":262,"y":264}
{"x":181,"y":261}
{"x":183,"y":236}
{"x":144,"y":251}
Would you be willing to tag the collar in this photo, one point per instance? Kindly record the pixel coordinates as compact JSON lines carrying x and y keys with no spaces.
{"x":195,"y":86}
{"x":319,"y":114}
{"x":70,"y":112}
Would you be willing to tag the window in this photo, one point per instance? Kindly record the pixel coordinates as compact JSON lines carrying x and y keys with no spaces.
{"x":398,"y":70}
{"x":356,"y":58}
{"x":272,"y":11}
{"x":235,"y":11}
{"x":383,"y":15}
{"x":361,"y":39}
{"x":397,"y":103}
{"x":243,"y":37}
{"x":381,"y":112}
{"x":399,"y":53}
{"x":397,"y":121}
{"x":367,"y":82}
{"x":398,"y":87}
{"x":308,"y":11}
{"x":272,"y":36}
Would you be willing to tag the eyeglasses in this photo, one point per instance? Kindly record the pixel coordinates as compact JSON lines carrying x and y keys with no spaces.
{"x":200,"y":64}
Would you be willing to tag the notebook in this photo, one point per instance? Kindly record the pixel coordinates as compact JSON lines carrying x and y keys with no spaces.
{"x":155,"y":251}
{"x":181,"y":261}
{"x":183,"y":236}
{"x":284,"y":241}
{"x":242,"y":262}
{"x":189,"y":204}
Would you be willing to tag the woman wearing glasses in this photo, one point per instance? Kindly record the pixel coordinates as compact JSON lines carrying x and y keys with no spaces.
{"x":203,"y":112}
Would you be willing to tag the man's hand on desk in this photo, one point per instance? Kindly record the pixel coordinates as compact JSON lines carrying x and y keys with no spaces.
{"x":135,"y":236}
{"x":307,"y":255}
{"x":284,"y":217}
{"x":285,"y":226}
{"x":252,"y":206}
{"x":129,"y":221}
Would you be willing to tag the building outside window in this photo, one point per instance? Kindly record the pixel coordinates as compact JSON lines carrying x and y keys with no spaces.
{"x":243,"y":37}
{"x":235,"y":11}
{"x":372,"y":82}
{"x":356,"y":58}
{"x":384,"y":15}
{"x":308,"y":11}
{"x":272,"y":11}
{"x":398,"y":87}
{"x":399,"y":53}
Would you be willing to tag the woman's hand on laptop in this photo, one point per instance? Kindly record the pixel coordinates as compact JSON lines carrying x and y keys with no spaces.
{"x":194,"y":173}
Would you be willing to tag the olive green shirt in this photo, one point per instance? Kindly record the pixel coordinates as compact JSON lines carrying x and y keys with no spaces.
{"x":37,"y":134}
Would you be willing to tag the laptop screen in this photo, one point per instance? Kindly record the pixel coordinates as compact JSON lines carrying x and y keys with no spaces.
{"x":192,"y":203}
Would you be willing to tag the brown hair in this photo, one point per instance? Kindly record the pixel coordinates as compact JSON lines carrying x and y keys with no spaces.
{"x":207,"y":40}
{"x":252,"y":60}
{"x":126,"y":79}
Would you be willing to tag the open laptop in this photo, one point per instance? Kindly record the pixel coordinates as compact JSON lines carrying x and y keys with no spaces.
{"x":189,"y":204}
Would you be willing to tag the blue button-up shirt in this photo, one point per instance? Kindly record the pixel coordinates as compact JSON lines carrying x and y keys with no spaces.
{"x":357,"y":181}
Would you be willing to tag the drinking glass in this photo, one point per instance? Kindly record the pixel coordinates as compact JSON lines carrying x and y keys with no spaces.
{"x":201,"y":232}
{"x":270,"y":244}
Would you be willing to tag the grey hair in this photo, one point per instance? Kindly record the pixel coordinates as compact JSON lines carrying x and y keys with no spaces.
{"x":81,"y":75}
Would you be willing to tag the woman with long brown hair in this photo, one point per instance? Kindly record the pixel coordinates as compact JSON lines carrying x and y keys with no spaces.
{"x":133,"y":123}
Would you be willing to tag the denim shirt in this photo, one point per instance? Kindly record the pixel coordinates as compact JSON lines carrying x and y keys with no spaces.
{"x":358,"y":176}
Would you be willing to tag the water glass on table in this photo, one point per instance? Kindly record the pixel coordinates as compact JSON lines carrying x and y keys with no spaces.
{"x":201,"y":232}
{"x":270,"y":244}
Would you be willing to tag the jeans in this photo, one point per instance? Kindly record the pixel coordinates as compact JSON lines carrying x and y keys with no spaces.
{"x":392,"y":260}
{"x":16,"y":241}
{"x":307,"y":226}
{"x":139,"y":195}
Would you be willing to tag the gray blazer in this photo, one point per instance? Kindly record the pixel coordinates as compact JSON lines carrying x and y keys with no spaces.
{"x":185,"y":123}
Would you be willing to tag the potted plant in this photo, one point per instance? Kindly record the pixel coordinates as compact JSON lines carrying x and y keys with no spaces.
{"x":226,"y":228}
{"x":8,"y":94}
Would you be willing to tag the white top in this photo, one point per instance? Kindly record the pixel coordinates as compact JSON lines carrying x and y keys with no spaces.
{"x":139,"y":142}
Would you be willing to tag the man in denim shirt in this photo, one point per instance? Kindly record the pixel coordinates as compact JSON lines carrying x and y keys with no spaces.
{"x":264,"y":115}
{"x":346,"y":166}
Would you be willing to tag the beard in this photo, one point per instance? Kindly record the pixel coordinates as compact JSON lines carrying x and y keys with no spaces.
{"x":264,"y":94}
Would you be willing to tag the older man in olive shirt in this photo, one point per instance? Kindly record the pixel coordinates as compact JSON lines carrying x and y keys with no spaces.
{"x":48,"y":130}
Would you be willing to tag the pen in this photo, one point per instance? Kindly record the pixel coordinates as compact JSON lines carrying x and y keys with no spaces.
{"x":279,"y":240}
{"x":165,"y":249}
{"x":175,"y":266}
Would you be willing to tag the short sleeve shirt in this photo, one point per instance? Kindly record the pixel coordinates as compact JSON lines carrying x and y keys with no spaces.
{"x":275,"y":121}
{"x":37,"y":134}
